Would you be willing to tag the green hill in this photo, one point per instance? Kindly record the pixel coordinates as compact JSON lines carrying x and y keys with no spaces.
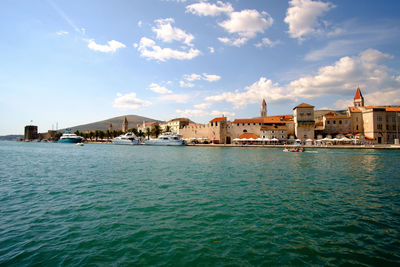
{"x":133,"y":121}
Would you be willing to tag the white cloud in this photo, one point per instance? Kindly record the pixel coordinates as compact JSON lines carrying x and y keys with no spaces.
{"x":140,"y":23}
{"x":207,"y":9}
{"x":159,"y":89}
{"x":184,"y":84}
{"x":247,"y":23}
{"x":211,"y":77}
{"x":192,"y":77}
{"x":267,"y":42}
{"x":345,"y":74}
{"x":302,"y":17}
{"x":254,"y":93}
{"x":112,"y":46}
{"x":150,"y":50}
{"x":191,"y":113}
{"x":233,"y":41}
{"x":203,"y":106}
{"x":167,"y":33}
{"x":129,"y":101}
{"x":178,"y":98}
{"x":211,"y":49}
{"x":62,"y":33}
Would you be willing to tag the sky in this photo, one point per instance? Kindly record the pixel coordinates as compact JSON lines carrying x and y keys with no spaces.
{"x":65,"y":63}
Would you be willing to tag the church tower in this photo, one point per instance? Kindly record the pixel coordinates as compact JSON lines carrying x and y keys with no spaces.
{"x":125,"y":125}
{"x":264,"y":108}
{"x":110,"y":128}
{"x":358,"y":98}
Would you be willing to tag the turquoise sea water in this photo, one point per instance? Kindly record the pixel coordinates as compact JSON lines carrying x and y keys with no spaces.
{"x":118,"y":205}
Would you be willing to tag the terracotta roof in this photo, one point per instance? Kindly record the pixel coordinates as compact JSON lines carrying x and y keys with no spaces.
{"x":393,"y":109}
{"x":374,"y":107}
{"x":369,"y":138}
{"x":272,"y":119}
{"x":218,"y":119}
{"x":319,"y":123}
{"x":358,"y":94}
{"x":146,"y":124}
{"x":303,"y":105}
{"x":248,"y":136}
{"x":354,"y":110}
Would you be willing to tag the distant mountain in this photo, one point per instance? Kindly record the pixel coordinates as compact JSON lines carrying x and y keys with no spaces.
{"x":133,"y":121}
{"x":13,"y":137}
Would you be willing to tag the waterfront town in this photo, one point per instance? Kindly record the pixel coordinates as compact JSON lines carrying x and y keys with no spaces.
{"x":358,"y":124}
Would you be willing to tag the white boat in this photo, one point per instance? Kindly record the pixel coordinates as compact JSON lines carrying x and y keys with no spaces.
{"x":167,"y":139}
{"x":79,"y":144}
{"x":69,"y":137}
{"x":126,"y":139}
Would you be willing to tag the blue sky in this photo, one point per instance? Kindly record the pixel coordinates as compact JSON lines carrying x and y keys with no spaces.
{"x":75,"y":62}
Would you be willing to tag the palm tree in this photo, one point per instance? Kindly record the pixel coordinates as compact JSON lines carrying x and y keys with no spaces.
{"x":148,"y":133}
{"x":156,"y":130}
{"x":135,"y":131}
{"x":140,"y":133}
{"x":101,"y":134}
{"x":167,"y":129}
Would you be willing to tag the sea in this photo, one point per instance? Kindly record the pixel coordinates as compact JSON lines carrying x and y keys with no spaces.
{"x":110,"y":205}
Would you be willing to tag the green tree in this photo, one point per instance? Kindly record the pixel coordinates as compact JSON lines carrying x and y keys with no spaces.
{"x":91,"y":134}
{"x":156,"y":130}
{"x":77,"y":133}
{"x":135,"y":131}
{"x":101,"y":134}
{"x":167,"y":129}
{"x":148,"y":133}
{"x":140,"y":133}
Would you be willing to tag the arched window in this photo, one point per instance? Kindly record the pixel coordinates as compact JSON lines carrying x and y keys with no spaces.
{"x":245,"y":131}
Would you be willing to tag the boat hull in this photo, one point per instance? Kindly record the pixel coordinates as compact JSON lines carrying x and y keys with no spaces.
{"x":165,"y":143}
{"x":126,"y":142}
{"x":70,"y":140}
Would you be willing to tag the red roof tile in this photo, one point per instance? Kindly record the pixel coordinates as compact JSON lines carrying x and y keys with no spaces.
{"x":248,"y":136}
{"x":358,"y":94}
{"x":218,"y":119}
{"x":354,"y":110}
{"x":303,"y":105}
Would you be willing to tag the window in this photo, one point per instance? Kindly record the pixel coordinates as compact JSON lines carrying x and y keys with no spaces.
{"x":379,"y":126}
{"x":356,"y":118}
{"x":237,"y":124}
{"x":394,"y":127}
{"x":301,"y":113}
{"x":328,"y":122}
{"x":259,"y":123}
{"x":245,"y":131}
{"x":357,"y":127}
{"x":387,"y":127}
{"x":393,"y":119}
{"x":272,"y":131}
{"x":281,"y":131}
{"x":282,"y":137}
{"x":242,"y":124}
{"x":340,"y":122}
{"x":308,"y":113}
{"x":216,"y":123}
{"x":254,"y":123}
{"x":212,"y":124}
{"x":248,"y":123}
{"x":263,"y":136}
{"x":379,"y":118}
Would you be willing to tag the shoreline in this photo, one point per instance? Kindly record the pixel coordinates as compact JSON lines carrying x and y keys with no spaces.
{"x":380,"y":146}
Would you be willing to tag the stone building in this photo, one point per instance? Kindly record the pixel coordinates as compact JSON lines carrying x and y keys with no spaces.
{"x":125,"y":125}
{"x":304,"y":121}
{"x":31,"y":132}
{"x":175,"y":125}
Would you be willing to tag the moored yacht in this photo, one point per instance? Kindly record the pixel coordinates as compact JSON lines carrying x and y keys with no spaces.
{"x":69,"y":137}
{"x":167,"y":139}
{"x":126,"y":139}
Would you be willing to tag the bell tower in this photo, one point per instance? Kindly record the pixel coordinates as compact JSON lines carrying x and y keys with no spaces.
{"x":125,"y":125}
{"x":264,"y":108}
{"x":358,"y":98}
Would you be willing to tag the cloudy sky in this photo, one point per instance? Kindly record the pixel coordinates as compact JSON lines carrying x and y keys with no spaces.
{"x":74,"y":62}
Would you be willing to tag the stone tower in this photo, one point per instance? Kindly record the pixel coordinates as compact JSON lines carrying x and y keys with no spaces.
{"x":264,"y":108}
{"x":110,"y":128}
{"x":358,"y":98}
{"x":125,"y":125}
